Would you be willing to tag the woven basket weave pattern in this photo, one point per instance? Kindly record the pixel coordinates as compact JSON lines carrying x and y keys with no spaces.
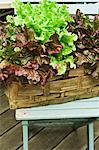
{"x":77,"y":86}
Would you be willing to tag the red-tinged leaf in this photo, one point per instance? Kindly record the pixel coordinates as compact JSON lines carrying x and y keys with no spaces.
{"x":56,"y":51}
{"x":96,"y":50}
{"x":81,"y":59}
{"x":20,"y":72}
{"x":97,"y":59}
{"x":32,"y":65}
{"x":33,"y":75}
{"x":3,"y":76}
{"x":11,"y":69}
{"x":87,"y":44}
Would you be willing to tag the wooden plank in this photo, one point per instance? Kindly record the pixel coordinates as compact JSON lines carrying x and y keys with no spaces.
{"x":96,"y":139}
{"x":3,"y":99}
{"x":13,"y":139}
{"x":56,"y":100}
{"x":96,"y":128}
{"x":77,"y":72}
{"x":84,"y":103}
{"x":7,"y":121}
{"x":49,"y":137}
{"x":58,"y":94}
{"x":73,"y":83}
{"x":97,"y":144}
{"x":77,"y":140}
{"x":60,"y":112}
{"x":4,"y":104}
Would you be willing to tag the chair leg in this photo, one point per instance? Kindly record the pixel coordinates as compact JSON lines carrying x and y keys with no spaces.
{"x":90,"y":134}
{"x":25,"y":135}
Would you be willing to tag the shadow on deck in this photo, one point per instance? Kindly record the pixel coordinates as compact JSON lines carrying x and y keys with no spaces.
{"x":41,"y":136}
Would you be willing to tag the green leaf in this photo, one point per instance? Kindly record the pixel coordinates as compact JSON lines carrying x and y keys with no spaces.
{"x":17,"y":49}
{"x":66,"y":50}
{"x":9,"y":19}
{"x":18,"y":62}
{"x":71,"y":61}
{"x":13,"y":37}
{"x":1,"y":53}
{"x":45,"y":18}
{"x":53,"y":61}
{"x":61,"y":70}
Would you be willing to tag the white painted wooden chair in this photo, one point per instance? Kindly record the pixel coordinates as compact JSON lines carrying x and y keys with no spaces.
{"x":81,"y":110}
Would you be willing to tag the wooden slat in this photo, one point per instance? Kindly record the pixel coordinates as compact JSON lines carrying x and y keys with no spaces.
{"x":77,"y":140}
{"x":7,"y":121}
{"x":54,"y":139}
{"x":79,"y":110}
{"x":96,"y":135}
{"x":97,"y":143}
{"x":96,"y":128}
{"x":61,"y":114}
{"x":3,"y":104}
{"x":84,"y":103}
{"x":49,"y":137}
{"x":3,"y":99}
{"x":59,"y":91}
{"x":13,"y":139}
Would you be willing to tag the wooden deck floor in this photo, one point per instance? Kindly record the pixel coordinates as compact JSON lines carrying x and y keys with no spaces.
{"x":41,"y":136}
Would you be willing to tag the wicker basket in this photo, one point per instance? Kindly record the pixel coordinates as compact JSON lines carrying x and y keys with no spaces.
{"x":77,"y":86}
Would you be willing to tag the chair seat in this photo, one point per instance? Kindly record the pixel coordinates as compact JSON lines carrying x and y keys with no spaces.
{"x":86,"y":108}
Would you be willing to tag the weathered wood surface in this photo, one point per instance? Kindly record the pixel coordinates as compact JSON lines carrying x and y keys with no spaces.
{"x":13,"y":138}
{"x":3,"y":104}
{"x":78,"y":138}
{"x":77,"y":86}
{"x":42,"y":137}
{"x":73,"y":139}
{"x":49,"y":137}
{"x":87,"y":108}
{"x":97,"y":143}
{"x":7,"y":120}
